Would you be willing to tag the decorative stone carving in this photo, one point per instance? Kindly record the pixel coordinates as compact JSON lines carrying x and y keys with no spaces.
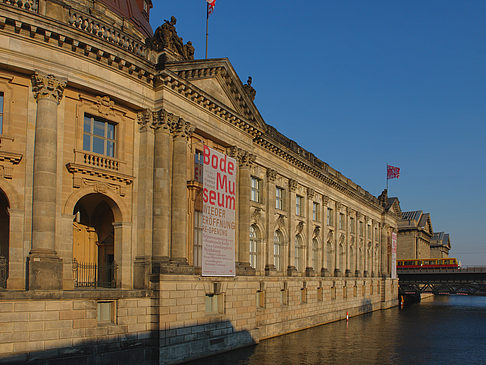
{"x":292,"y":185}
{"x":325,"y":200}
{"x":181,"y":128}
{"x":257,"y":214}
{"x":317,"y":230}
{"x":349,"y":211}
{"x":146,"y":119}
{"x":165,"y":37}
{"x":48,"y":87}
{"x":342,"y":238}
{"x":104,"y":104}
{"x":299,"y":228}
{"x":271,"y":175}
{"x":245,"y":158}
{"x":281,"y":220}
{"x":330,"y":235}
{"x":310,"y":193}
{"x":249,"y":89}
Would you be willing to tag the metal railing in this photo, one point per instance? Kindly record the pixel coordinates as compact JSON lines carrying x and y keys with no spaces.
{"x":88,"y":275}
{"x":3,"y":272}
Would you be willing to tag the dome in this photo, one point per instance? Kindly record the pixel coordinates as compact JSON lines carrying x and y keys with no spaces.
{"x":136,"y":11}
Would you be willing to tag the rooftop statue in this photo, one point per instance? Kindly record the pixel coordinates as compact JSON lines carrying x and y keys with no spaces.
{"x":249,"y":89}
{"x":165,"y":37}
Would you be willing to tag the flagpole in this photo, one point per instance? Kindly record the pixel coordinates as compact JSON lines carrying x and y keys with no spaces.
{"x":386,"y":169}
{"x":207,"y":28}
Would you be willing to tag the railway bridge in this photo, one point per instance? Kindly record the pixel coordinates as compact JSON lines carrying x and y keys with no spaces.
{"x":466,"y":281}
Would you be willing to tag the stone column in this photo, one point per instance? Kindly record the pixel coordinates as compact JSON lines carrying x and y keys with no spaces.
{"x":45,"y":267}
{"x":359,"y":241}
{"x":337,"y":269}
{"x":182,"y":130}
{"x":365,"y":252}
{"x":309,"y":251}
{"x":161,"y":203}
{"x":270,"y":217}
{"x":325,"y":271}
{"x":291,"y":244}
{"x":383,"y":246}
{"x":348,"y":238}
{"x":143,"y":258}
{"x":246,"y":160}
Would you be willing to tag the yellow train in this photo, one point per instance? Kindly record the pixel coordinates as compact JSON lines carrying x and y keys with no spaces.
{"x":446,"y":263}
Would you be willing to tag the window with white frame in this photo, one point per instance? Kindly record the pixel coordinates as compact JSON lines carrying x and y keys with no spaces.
{"x":299,"y":205}
{"x":254,"y":237}
{"x":315,"y":211}
{"x":255,"y":189}
{"x":198,"y":229}
{"x":98,"y":136}
{"x":330,"y":217}
{"x":277,"y":246}
{"x":299,"y":245}
{"x":279,"y":198}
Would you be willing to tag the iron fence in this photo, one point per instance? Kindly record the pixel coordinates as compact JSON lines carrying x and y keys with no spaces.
{"x":3,"y":272}
{"x":87,"y":275}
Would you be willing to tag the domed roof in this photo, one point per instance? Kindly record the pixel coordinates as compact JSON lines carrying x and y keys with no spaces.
{"x":136,"y":11}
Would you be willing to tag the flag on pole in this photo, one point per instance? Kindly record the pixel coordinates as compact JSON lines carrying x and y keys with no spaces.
{"x":392,"y":172}
{"x":211,"y":4}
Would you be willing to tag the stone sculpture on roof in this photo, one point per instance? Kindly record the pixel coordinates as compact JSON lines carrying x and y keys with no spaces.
{"x":166,"y":38}
{"x":249,"y":89}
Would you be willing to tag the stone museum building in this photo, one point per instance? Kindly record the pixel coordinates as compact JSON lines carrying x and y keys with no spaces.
{"x":103,"y":124}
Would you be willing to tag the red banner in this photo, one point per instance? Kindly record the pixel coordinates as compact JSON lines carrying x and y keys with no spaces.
{"x":211,"y":5}
{"x":392,"y":172}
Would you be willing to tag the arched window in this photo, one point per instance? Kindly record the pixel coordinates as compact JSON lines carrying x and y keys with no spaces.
{"x":315,"y":254}
{"x":298,"y":252}
{"x":277,"y":253}
{"x":254,"y":239}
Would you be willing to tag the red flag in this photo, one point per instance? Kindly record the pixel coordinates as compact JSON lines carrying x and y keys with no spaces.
{"x":211,"y":4}
{"x":392,"y":172}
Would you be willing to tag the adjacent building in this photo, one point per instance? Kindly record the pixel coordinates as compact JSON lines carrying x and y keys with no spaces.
{"x":103,"y":125}
{"x":440,"y":244}
{"x":414,"y":235}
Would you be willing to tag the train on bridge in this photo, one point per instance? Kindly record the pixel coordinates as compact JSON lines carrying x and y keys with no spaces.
{"x":414,"y":264}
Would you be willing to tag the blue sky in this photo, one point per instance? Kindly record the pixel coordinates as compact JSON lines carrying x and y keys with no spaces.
{"x":362,"y":83}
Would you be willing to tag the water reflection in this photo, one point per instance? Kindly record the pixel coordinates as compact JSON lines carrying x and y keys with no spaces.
{"x":444,"y":330}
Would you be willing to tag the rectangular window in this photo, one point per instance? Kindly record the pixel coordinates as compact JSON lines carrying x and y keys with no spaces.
{"x":341,"y":221}
{"x":299,"y":208}
{"x":279,"y":198}
{"x":98,"y":136}
{"x":255,"y":190}
{"x":330,"y":217}
{"x":198,"y":166}
{"x":361,"y":228}
{"x":315,"y":211}
{"x":369,"y":231}
{"x":1,"y":113}
{"x":106,"y":312}
{"x":352,"y":226}
{"x":198,"y":229}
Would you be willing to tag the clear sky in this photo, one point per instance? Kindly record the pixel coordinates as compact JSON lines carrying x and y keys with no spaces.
{"x":362,"y":83}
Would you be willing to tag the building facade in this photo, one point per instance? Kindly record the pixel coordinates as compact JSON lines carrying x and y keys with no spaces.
{"x":440,"y":245}
{"x":102,"y":127}
{"x":414,"y":235}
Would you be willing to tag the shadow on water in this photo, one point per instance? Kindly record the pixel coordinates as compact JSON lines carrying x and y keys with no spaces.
{"x":164,"y":347}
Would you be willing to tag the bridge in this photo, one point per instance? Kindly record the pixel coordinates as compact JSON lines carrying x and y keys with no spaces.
{"x":466,"y":281}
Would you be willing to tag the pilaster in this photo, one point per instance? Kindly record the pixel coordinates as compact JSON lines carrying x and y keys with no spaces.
{"x":291,"y":269}
{"x":270,"y":220}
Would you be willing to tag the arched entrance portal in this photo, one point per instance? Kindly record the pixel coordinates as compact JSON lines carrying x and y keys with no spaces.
{"x":93,"y":242}
{"x":4,"y":239}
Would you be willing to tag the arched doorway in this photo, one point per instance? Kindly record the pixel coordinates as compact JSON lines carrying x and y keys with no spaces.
{"x":4,"y":239}
{"x":93,"y":242}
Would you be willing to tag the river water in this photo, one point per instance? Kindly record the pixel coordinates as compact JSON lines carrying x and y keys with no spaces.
{"x":440,"y":330}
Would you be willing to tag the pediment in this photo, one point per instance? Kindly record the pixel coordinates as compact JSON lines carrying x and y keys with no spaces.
{"x":217,"y":80}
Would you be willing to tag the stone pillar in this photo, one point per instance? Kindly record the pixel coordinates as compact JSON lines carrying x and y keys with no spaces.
{"x":45,"y":267}
{"x":179,"y":255}
{"x":365,"y":252}
{"x":270,"y":217}
{"x":383,"y":246}
{"x":309,"y":251}
{"x":161,"y":202}
{"x":291,"y":269}
{"x":143,"y":258}
{"x":359,"y":242}
{"x":337,"y":269}
{"x":348,"y":238}
{"x":246,"y":160}
{"x":325,"y":271}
